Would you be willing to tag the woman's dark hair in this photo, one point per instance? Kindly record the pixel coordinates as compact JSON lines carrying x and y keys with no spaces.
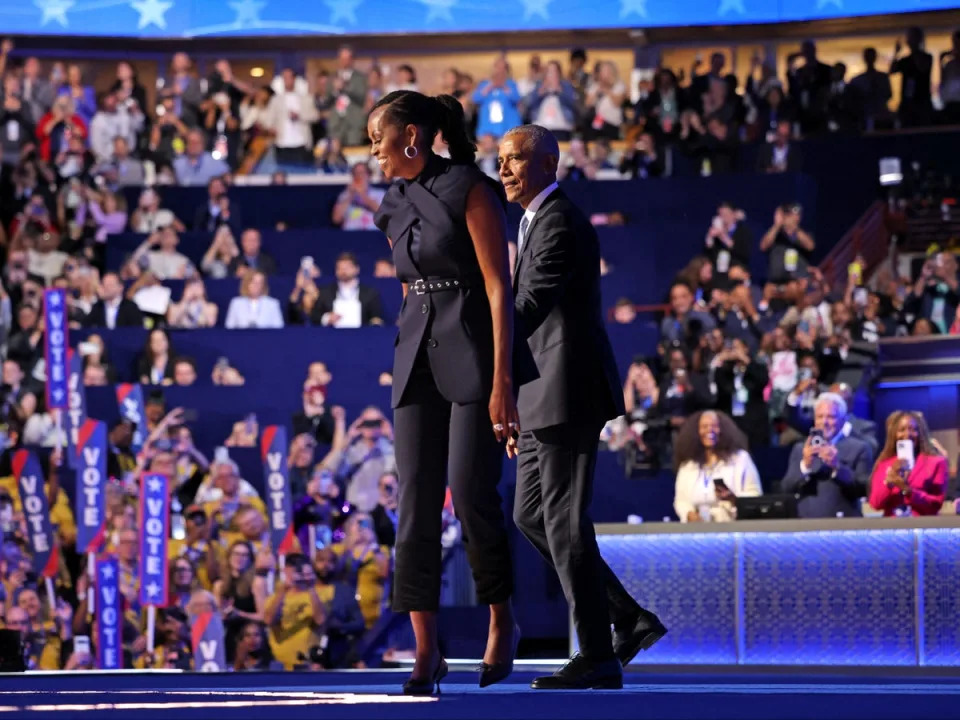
{"x":243,"y":585}
{"x":687,"y":445}
{"x":442,"y":114}
{"x":148,"y":351}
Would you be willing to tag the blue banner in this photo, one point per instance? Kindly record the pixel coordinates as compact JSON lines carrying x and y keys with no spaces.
{"x":76,"y":413}
{"x":55,"y":347}
{"x":198,"y":18}
{"x":36,"y":510}
{"x":206,"y":632}
{"x":130,"y":403}
{"x":154,"y":531}
{"x":273,"y":448}
{"x":109,"y":614}
{"x":91,"y":486}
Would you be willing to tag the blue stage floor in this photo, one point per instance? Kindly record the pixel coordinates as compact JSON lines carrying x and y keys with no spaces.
{"x":730,"y":694}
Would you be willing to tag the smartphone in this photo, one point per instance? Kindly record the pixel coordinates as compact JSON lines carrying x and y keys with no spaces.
{"x":190,"y":415}
{"x":805,"y":374}
{"x":860,"y":297}
{"x":720,"y":486}
{"x":81,"y":644}
{"x":905,"y":453}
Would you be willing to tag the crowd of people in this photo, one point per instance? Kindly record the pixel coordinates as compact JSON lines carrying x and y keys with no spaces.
{"x":741,"y":365}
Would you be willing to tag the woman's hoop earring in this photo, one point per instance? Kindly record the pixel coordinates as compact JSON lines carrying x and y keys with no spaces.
{"x":410,"y":152}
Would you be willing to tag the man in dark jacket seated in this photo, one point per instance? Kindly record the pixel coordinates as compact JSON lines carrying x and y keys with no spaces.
{"x":830,"y":471}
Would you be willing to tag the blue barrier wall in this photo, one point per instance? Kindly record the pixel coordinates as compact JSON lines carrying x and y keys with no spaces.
{"x":788,"y":593}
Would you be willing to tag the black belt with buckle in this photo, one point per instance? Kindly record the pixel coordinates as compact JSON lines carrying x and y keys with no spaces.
{"x":422,"y":287}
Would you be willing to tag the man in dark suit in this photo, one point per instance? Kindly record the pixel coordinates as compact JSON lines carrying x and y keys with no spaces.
{"x":113,"y":310}
{"x":860,"y":428}
{"x":217,"y":210}
{"x":557,"y":311}
{"x":347,"y":303}
{"x":831,"y":470}
{"x":252,"y":256}
{"x":780,"y":155}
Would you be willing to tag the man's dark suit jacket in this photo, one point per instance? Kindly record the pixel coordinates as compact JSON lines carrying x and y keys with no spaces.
{"x":265,"y":264}
{"x":824,"y":495}
{"x":558,"y":312}
{"x":371,"y":307}
{"x":765,"y":158}
{"x":128,"y":315}
{"x":203,"y":221}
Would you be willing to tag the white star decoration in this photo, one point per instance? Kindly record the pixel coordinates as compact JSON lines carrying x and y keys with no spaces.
{"x":536,"y":7}
{"x":151,"y":12}
{"x":731,"y":6}
{"x":54,"y":10}
{"x":438,"y":9}
{"x":153,"y":589}
{"x":154,"y":484}
{"x":248,"y":11}
{"x":54,"y":299}
{"x":821,"y":4}
{"x":106,"y":572}
{"x":630,"y":7}
{"x":343,"y":10}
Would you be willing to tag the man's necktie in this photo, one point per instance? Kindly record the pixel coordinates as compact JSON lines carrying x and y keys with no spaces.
{"x":524,"y":225}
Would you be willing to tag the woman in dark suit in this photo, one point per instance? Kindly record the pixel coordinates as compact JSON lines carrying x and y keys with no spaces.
{"x":453,"y":393}
{"x":156,"y":363}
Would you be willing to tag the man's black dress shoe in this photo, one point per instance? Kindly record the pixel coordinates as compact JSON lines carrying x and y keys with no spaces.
{"x":582,"y":674}
{"x":641,"y":635}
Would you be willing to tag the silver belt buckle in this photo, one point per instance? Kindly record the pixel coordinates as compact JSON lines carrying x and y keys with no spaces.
{"x":420,"y":287}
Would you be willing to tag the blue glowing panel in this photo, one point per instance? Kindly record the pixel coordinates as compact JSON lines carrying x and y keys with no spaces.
{"x":690,"y":582}
{"x":829,"y":598}
{"x":940,"y":579}
{"x":191,"y":18}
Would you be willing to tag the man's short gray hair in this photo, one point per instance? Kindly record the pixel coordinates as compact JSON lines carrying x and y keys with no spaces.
{"x":538,"y":138}
{"x":834,"y":399}
{"x":216,"y":464}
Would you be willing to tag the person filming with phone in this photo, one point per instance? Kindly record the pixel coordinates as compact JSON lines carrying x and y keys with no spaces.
{"x":830,"y":470}
{"x":713,"y":469}
{"x":910,"y":477}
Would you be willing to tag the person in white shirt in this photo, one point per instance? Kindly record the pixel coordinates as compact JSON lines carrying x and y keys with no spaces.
{"x":111,"y":121}
{"x":150,"y":217}
{"x":164,"y":262}
{"x":713,"y":469}
{"x":253,"y":308}
{"x":290,"y":113}
{"x":348,"y":303}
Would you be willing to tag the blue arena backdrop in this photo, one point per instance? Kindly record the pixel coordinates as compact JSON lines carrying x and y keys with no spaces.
{"x":195,"y":18}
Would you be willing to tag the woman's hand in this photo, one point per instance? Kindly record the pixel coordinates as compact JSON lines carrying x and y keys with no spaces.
{"x":503,"y":410}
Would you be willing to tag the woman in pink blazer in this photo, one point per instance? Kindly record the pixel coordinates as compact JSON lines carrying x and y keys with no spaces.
{"x":894,"y":485}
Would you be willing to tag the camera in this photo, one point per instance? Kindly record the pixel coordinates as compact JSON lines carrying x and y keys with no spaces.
{"x":816,"y":438}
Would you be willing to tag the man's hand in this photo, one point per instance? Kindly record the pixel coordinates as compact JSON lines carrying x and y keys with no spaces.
{"x":6,"y":47}
{"x":805,"y":385}
{"x":829,"y":455}
{"x":810,"y":452}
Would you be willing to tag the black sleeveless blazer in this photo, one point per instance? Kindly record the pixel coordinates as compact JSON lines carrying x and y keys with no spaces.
{"x":426,"y":220}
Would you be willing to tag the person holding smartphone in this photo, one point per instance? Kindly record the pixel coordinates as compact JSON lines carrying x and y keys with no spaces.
{"x":910,"y":475}
{"x":713,"y":469}
{"x":829,"y":471}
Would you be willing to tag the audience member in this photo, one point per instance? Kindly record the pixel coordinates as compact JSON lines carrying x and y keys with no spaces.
{"x":910,"y":475}
{"x":872,"y":88}
{"x":347,"y":120}
{"x":809,"y":85}
{"x":830,"y":470}
{"x":345,"y":622}
{"x":741,"y":381}
{"x":916,"y":106}
{"x":348,"y":303}
{"x":193,"y":310}
{"x":196,"y":166}
{"x":365,"y":454}
{"x":158,"y":255}
{"x":252,"y":256}
{"x":779,"y":155}
{"x":604,"y":101}
{"x":295,"y":614}
{"x":82,"y":96}
{"x":356,"y":205}
{"x":254,"y":308}
{"x":552,"y":103}
{"x":155,"y":366}
{"x":113,"y":121}
{"x":788,"y":244}
{"x":713,"y":469}
{"x":729,"y":241}
{"x":221,"y":254}
{"x":113,"y":310}
{"x":496,"y":101}
{"x":289,"y":115}
{"x":149,"y":217}
{"x":218,"y":209}
{"x":365,"y":565}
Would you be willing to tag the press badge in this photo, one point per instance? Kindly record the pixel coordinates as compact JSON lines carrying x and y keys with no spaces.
{"x":791,"y":258}
{"x":723,"y":261}
{"x":496,"y":112}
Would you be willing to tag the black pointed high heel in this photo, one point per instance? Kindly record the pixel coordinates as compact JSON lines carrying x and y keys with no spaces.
{"x":492,"y":674}
{"x":425,"y":687}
